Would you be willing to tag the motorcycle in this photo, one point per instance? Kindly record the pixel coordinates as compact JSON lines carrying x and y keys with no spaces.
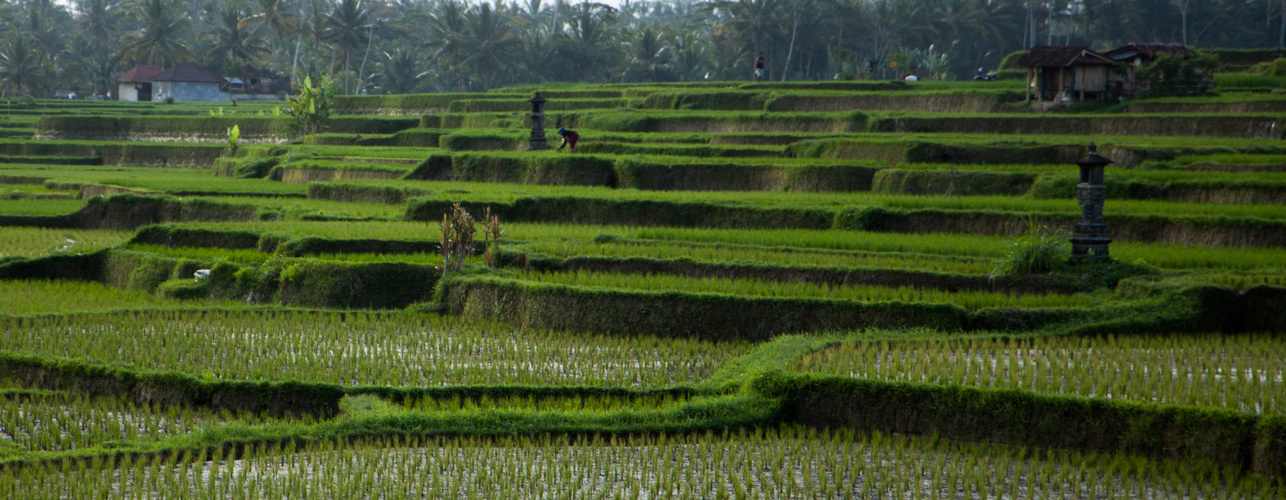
{"x":984,"y":76}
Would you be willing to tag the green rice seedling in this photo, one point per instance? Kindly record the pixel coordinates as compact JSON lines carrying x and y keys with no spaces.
{"x":590,"y":403}
{"x":1247,"y":280}
{"x":301,"y":209}
{"x":42,"y":297}
{"x":1157,"y":254}
{"x":781,"y":256}
{"x":781,"y":462}
{"x":357,"y":348}
{"x":31,"y":241}
{"x":177,"y":181}
{"x":1232,"y":159}
{"x":1237,"y":372}
{"x":745,"y":287}
{"x":28,"y":207}
{"x":204,"y":253}
{"x":1247,"y":80}
{"x":61,"y":422}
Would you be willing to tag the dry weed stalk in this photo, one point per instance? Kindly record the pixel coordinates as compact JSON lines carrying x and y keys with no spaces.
{"x":457,"y":238}
{"x":493,"y":233}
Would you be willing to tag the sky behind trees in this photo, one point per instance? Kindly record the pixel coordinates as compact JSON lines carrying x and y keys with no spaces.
{"x":395,"y":46}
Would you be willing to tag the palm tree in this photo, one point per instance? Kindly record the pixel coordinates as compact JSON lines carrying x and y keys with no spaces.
{"x":589,"y":45}
{"x":344,"y":29}
{"x":277,"y":18}
{"x":488,"y":45}
{"x":756,"y":24}
{"x":649,"y":57}
{"x":399,"y":72}
{"x":98,"y":18}
{"x":40,"y":26}
{"x":228,"y":39}
{"x":159,"y":39}
{"x":447,"y":27}
{"x":446,"y":33}
{"x":23,"y":68}
{"x":688,"y":57}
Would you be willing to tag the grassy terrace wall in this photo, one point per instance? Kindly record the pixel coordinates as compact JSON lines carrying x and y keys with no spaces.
{"x":1248,"y":106}
{"x":298,"y":282}
{"x":1242,"y":126}
{"x":171,"y":389}
{"x":520,"y":105}
{"x":673,"y":314}
{"x":820,"y":275}
{"x":420,"y":104}
{"x":642,"y":174}
{"x":729,"y":317}
{"x":718,"y":122}
{"x":564,"y":170}
{"x":638,"y":173}
{"x":408,"y":104}
{"x":1027,"y":419}
{"x":605,"y":211}
{"x":200,"y":128}
{"x":955,"y":102}
{"x":107,"y":153}
{"x":1208,"y":231}
{"x":897,"y":181}
{"x":1062,"y":185}
{"x":894,"y":151}
{"x":128,"y":211}
{"x":302,"y":172}
{"x":1210,"y":125}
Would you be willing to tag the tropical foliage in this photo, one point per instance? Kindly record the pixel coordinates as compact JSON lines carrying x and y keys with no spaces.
{"x":381,"y":46}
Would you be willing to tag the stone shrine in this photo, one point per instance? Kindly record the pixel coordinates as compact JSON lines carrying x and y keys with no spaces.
{"x":1089,"y":237}
{"x":537,"y":141}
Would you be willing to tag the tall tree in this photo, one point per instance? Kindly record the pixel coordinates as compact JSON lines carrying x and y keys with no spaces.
{"x":755,"y":24}
{"x":346,"y":29}
{"x":229,"y":41}
{"x":489,"y":45}
{"x":99,"y":19}
{"x":649,"y":53}
{"x":160,"y":38}
{"x":23,"y":68}
{"x":588,"y":46}
{"x":276,"y":17}
{"x":399,"y":72}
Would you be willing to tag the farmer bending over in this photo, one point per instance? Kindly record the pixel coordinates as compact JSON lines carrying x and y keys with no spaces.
{"x":569,"y":139}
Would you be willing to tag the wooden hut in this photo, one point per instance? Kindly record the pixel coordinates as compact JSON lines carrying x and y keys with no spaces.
{"x":1065,"y":73}
{"x":1139,"y":55}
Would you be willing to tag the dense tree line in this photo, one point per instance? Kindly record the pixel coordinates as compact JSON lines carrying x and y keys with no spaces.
{"x":396,"y":46}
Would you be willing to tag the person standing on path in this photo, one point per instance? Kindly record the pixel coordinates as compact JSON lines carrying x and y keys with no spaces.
{"x":759,"y":68}
{"x":569,"y":139}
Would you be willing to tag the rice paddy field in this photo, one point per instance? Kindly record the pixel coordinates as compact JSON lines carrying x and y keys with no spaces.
{"x":851,"y":293}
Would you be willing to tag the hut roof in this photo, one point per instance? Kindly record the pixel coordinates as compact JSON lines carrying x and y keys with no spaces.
{"x":1148,"y":51}
{"x":141,"y":74}
{"x":1048,"y":56}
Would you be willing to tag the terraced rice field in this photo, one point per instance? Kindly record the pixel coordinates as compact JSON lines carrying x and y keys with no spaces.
{"x":813,"y":290}
{"x":771,"y":463}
